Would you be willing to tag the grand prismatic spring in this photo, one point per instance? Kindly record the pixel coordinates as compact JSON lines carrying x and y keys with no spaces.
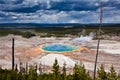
{"x":58,"y":48}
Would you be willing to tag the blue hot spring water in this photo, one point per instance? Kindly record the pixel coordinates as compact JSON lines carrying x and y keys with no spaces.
{"x":58,"y":48}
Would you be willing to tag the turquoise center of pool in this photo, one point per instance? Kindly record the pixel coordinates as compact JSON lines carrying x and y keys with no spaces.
{"x":58,"y":48}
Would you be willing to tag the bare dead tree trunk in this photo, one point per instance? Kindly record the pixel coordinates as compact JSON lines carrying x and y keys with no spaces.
{"x":13,"y":54}
{"x":99,"y":33}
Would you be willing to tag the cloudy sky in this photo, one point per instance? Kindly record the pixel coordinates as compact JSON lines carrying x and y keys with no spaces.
{"x":58,"y":11}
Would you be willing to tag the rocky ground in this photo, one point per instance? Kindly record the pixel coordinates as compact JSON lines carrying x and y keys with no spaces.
{"x":29,"y":50}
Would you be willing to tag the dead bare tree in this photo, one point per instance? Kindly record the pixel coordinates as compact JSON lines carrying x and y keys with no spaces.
{"x":13,"y":54}
{"x":99,"y":34}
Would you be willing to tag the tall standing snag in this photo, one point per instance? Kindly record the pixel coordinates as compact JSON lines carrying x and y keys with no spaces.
{"x":13,"y":54}
{"x":99,"y":33}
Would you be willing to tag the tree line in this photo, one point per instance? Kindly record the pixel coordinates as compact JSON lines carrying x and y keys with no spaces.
{"x":79,"y":73}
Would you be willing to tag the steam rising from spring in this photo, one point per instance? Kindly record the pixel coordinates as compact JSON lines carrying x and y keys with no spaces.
{"x":85,"y":38}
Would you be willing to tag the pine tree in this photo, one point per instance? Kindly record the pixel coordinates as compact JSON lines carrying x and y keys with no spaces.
{"x":69,"y":77}
{"x":64,"y":71}
{"x":102,"y":75}
{"x":80,"y":73}
{"x":75,"y":72}
{"x":32,"y":73}
{"x":55,"y":70}
{"x":112,"y":74}
{"x":22,"y":69}
{"x":40,"y":72}
{"x":118,"y":76}
{"x":14,"y":75}
{"x":26,"y":68}
{"x":20,"y":76}
{"x":16,"y":69}
{"x":40,"y":69}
